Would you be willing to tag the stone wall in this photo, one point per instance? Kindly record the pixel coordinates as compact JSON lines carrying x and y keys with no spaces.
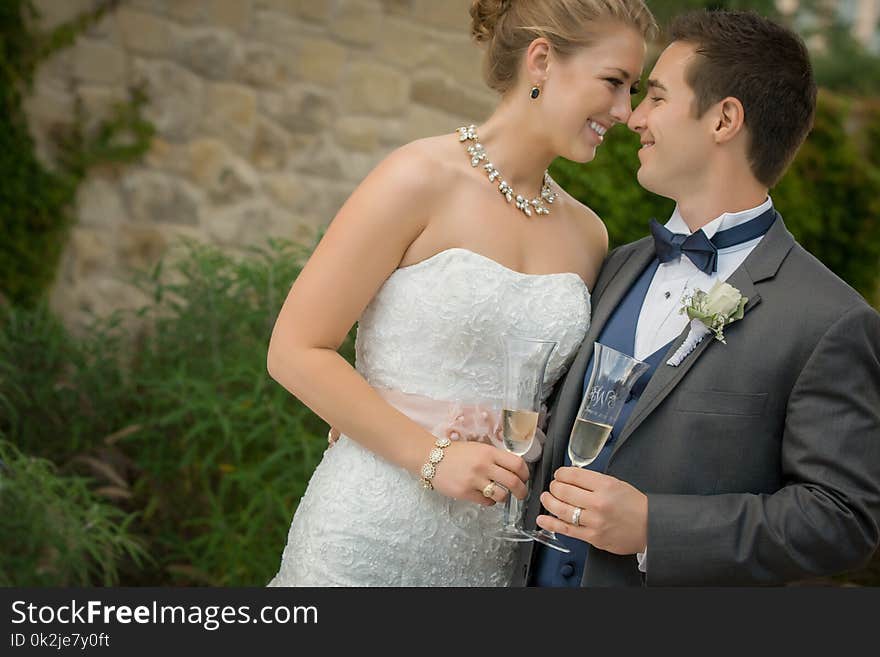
{"x":268,"y":114}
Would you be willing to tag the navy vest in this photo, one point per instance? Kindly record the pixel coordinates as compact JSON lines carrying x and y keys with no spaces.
{"x":554,"y":568}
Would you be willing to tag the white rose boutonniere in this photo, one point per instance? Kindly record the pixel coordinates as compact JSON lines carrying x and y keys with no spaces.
{"x":710,"y":312}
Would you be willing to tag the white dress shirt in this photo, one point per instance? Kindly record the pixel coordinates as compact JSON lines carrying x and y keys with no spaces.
{"x":659,"y":320}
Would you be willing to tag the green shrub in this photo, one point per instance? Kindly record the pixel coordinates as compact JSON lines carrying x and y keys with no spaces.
{"x":829,"y":197}
{"x":55,"y":530}
{"x":59,"y":397}
{"x":226,"y":452}
{"x":183,"y":423}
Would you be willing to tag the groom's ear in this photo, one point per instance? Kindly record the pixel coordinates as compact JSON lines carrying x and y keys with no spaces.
{"x":730,"y":118}
{"x":537,"y":60}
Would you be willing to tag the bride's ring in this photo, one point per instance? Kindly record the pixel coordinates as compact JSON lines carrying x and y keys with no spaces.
{"x":489,"y":490}
{"x":576,"y":516}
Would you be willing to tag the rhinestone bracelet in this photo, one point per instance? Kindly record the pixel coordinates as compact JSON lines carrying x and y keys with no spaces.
{"x":429,"y":469}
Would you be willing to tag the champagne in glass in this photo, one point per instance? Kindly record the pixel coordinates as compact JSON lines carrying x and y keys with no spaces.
{"x":518,"y":430}
{"x":586,"y":441}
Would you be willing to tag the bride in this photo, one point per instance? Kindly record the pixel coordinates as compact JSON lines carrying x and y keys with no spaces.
{"x":435,"y":264}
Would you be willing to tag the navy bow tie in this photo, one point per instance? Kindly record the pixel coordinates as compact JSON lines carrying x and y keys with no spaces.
{"x":696,"y":246}
{"x":701,"y":250}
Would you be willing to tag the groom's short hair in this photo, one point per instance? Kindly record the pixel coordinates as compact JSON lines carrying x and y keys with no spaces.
{"x":764,"y":65}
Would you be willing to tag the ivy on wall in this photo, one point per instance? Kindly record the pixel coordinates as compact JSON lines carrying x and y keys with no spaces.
{"x":36,"y":202}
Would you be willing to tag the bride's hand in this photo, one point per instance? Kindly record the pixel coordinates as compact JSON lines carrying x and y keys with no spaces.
{"x":467,"y":469}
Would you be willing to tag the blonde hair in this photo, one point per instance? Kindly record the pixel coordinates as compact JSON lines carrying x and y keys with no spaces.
{"x":507,"y":27}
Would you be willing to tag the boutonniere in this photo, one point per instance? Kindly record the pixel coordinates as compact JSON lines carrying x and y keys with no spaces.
{"x":710,"y":312}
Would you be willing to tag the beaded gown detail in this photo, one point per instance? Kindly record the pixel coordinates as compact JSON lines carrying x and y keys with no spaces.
{"x":432,"y":330}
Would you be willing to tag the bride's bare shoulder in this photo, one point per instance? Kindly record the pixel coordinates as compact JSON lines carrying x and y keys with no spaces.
{"x":428,"y":164}
{"x":588,"y":223}
{"x":407,"y":185}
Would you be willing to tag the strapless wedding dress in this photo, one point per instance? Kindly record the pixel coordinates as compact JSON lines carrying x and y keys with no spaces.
{"x":431,"y":332}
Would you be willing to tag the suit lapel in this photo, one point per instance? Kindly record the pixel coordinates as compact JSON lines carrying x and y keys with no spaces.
{"x":761,"y":264}
{"x":614,"y":282}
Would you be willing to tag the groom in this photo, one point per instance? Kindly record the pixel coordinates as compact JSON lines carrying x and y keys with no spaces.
{"x":751,"y":462}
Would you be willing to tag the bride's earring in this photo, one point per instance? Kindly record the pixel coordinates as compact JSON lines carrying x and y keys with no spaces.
{"x":535,"y":92}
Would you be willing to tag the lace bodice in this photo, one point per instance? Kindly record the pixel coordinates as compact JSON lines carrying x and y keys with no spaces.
{"x":433,"y":327}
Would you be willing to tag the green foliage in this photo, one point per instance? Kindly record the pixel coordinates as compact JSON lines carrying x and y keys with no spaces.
{"x":55,"y":530}
{"x":35,"y":202}
{"x":868,"y":116}
{"x":182,"y":424}
{"x":217,"y":432}
{"x":59,"y":397}
{"x":828,"y":197}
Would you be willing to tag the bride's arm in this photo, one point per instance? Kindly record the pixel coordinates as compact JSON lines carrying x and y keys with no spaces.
{"x":362,"y":247}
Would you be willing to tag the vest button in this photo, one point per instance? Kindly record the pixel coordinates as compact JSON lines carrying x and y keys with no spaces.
{"x":567,"y":570}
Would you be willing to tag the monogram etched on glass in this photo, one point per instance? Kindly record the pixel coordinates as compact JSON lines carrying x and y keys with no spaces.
{"x":614,"y":374}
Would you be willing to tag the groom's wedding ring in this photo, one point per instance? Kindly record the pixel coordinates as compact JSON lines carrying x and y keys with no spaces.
{"x":576,"y":516}
{"x":489,"y":490}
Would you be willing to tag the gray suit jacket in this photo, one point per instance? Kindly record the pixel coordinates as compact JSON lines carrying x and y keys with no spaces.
{"x":760,"y":457}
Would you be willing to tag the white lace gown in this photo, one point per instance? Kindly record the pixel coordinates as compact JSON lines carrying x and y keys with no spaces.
{"x":431,"y":330}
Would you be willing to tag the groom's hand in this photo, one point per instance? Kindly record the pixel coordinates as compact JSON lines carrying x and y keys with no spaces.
{"x":614,"y":516}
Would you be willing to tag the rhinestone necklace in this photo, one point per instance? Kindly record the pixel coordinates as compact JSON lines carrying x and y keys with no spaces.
{"x":527,"y":206}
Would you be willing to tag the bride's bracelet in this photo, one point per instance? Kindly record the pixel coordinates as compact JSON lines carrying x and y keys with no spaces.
{"x":429,"y":469}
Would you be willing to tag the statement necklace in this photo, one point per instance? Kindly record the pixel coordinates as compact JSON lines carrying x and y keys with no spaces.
{"x":527,"y":206}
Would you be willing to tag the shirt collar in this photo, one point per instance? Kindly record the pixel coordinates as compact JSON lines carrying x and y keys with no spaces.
{"x":727,"y":220}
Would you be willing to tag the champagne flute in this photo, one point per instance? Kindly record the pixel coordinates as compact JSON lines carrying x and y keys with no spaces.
{"x":525,"y":364}
{"x":613,"y":376}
